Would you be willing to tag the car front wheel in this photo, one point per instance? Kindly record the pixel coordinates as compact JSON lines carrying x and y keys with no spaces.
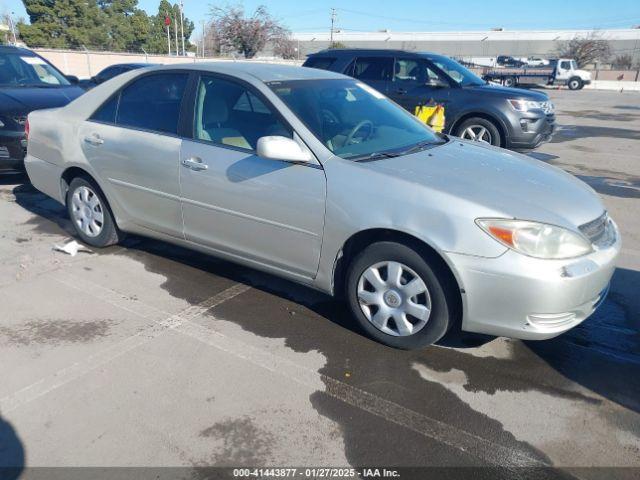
{"x":480,"y":130}
{"x":398,"y":297}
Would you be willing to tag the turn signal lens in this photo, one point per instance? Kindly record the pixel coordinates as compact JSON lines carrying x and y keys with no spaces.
{"x":535,"y":239}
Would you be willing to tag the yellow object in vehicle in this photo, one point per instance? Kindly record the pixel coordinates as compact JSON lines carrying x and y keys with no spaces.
{"x":432,"y":115}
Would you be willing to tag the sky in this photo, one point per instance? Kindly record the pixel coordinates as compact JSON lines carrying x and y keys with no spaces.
{"x":421,"y":15}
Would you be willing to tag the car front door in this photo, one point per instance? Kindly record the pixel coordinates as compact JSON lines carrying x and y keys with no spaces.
{"x":269,"y":212}
{"x":415,"y":83}
{"x":132,"y":142}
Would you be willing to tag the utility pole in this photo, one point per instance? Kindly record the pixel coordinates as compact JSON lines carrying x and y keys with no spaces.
{"x":333,"y":21}
{"x":204,"y":37}
{"x":182,"y":27}
{"x":175,"y":30}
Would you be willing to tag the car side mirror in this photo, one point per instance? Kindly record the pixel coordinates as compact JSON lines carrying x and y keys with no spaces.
{"x":282,"y":148}
{"x":72,"y":79}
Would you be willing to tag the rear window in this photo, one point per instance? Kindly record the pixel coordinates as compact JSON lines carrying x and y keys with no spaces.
{"x":323,"y":63}
{"x":373,"y":68}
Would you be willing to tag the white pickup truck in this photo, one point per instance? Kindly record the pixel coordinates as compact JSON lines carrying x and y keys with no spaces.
{"x":563,"y":71}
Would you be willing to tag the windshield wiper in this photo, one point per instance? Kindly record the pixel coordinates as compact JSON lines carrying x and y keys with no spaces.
{"x":376,"y":156}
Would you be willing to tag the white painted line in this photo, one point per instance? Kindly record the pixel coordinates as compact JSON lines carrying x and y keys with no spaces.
{"x":86,"y":365}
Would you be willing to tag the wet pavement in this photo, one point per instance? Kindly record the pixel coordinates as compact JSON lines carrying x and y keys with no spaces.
{"x":145,"y":354}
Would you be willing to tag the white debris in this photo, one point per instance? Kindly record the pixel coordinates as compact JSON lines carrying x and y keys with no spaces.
{"x":71,"y":248}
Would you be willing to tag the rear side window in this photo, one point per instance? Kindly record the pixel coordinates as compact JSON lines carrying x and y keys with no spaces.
{"x":373,"y":68}
{"x":107,"y":112}
{"x":323,"y":63}
{"x":153,"y":102}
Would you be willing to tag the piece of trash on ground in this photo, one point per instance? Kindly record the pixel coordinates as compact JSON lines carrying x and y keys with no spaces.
{"x":72,"y":248}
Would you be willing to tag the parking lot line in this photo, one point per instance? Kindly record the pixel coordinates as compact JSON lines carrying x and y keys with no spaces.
{"x":481,"y":448}
{"x":80,"y":368}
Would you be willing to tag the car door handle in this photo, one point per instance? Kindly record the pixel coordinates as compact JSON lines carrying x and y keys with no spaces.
{"x":94,"y":140}
{"x":194,"y":163}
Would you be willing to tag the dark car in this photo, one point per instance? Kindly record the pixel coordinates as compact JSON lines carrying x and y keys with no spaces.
{"x":507,"y":117}
{"x":27,"y":82}
{"x":509,"y":61}
{"x":112,"y":71}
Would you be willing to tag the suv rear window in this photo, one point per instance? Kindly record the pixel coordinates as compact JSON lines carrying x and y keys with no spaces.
{"x":373,"y":68}
{"x":323,"y":63}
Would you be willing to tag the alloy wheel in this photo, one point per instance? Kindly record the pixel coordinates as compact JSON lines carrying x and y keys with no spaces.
{"x":394,"y":298}
{"x":87,"y":211}
{"x":477,"y":133}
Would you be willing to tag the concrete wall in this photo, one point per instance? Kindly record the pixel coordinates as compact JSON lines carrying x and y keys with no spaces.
{"x":87,"y":64}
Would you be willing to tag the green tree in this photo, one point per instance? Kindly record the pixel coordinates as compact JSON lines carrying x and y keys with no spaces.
{"x":127,"y":25}
{"x":64,"y":24}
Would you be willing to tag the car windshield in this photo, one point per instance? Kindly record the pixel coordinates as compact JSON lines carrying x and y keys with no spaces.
{"x":20,"y":70}
{"x":353,"y":120}
{"x":456,"y":72}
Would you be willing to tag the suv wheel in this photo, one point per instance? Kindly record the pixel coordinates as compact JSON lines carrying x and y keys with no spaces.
{"x":479,"y":129}
{"x":397,"y":297}
{"x":90,"y":214}
{"x":575,"y":83}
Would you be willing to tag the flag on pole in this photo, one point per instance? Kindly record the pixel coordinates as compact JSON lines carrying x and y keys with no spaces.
{"x":167,"y":20}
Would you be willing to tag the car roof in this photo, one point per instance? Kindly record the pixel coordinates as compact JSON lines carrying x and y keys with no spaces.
{"x":342,"y":52}
{"x":14,"y":49}
{"x":134,"y":65}
{"x":265,"y":72}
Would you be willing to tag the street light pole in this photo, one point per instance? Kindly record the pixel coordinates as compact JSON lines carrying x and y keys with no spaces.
{"x":333,"y":20}
{"x":175,"y":31}
{"x":182,"y":26}
{"x":13,"y":28}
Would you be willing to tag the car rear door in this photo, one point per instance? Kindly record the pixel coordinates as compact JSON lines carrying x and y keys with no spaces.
{"x":132,"y":142}
{"x":375,"y":71}
{"x":267,"y":211}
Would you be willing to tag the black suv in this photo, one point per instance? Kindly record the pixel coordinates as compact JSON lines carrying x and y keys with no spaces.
{"x":27,"y":82}
{"x":506,"y":117}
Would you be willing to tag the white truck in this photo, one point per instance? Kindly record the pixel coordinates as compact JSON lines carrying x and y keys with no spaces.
{"x":563,"y":71}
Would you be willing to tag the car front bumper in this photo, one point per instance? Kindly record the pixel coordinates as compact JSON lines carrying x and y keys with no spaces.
{"x":532,"y":299}
{"x":530,"y":131}
{"x":13,"y":148}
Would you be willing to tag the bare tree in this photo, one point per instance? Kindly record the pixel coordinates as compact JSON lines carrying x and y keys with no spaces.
{"x":284,"y":47}
{"x":585,"y":50}
{"x":246,"y":35}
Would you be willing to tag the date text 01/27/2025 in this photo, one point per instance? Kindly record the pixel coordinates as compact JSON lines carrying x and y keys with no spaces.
{"x":315,"y":472}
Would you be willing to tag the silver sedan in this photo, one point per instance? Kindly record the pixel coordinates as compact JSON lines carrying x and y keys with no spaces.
{"x":316,"y":177}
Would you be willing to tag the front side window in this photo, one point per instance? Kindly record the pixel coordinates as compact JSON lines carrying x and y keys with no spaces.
{"x":373,"y":68}
{"x":565,"y":65}
{"x":456,"y":72}
{"x":153,"y":102}
{"x":352,"y":119}
{"x":407,"y":70}
{"x":227,"y":113}
{"x":17,"y":69}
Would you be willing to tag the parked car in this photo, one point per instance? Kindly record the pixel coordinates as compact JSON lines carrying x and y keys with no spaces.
{"x":509,"y":61}
{"x":562,"y":71}
{"x":112,"y":71}
{"x":27,"y":82}
{"x":319,"y":178}
{"x":474,"y":110}
{"x":536,"y":62}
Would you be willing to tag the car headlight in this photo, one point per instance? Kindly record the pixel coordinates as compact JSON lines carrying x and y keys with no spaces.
{"x":534,"y":239}
{"x":525,"y":105}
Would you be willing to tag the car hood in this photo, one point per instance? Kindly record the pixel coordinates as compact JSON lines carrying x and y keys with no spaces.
{"x":500,"y":183}
{"x":506,"y":92}
{"x":26,"y":99}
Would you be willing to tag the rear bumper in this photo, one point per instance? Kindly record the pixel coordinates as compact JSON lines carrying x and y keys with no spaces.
{"x":13,"y":148}
{"x":532,"y":299}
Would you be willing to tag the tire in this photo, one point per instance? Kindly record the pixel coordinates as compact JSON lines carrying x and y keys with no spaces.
{"x":476,"y":124}
{"x":90,"y":214}
{"x":510,"y":82}
{"x":575,"y":83}
{"x":384,"y":304}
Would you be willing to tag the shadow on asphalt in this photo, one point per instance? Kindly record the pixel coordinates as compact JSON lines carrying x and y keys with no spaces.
{"x":12,"y":454}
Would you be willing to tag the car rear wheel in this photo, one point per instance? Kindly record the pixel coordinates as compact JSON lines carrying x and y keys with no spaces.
{"x":398,"y":297}
{"x":575,"y":84}
{"x":479,"y":130}
{"x":90,"y":214}
{"x":509,"y":82}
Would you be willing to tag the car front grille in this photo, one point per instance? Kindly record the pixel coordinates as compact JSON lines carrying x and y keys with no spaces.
{"x":600,"y":231}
